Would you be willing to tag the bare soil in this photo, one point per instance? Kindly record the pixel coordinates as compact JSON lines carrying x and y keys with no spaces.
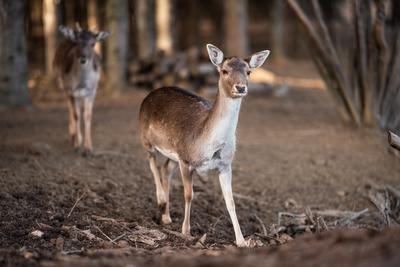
{"x":293,"y":148}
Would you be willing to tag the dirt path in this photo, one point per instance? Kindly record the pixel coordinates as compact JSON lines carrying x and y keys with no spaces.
{"x":290,"y":148}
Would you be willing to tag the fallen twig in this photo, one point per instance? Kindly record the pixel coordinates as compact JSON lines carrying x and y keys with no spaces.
{"x":119,"y":237}
{"x":76,"y":251}
{"x":178,"y":234}
{"x":106,"y":236}
{"x":249,"y":198}
{"x":111,"y":153}
{"x":102,"y":219}
{"x":288,"y":214}
{"x":76,"y":202}
{"x":394,"y":140}
{"x":356,"y":215}
{"x":41,"y":168}
{"x":334,"y":213}
{"x":262,"y":224}
{"x":324,"y":225}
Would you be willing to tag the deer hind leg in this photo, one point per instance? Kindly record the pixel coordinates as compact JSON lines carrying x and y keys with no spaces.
{"x":225,"y":179}
{"x":87,"y":120}
{"x":187,"y":179}
{"x":167,"y":172}
{"x":161,"y":198}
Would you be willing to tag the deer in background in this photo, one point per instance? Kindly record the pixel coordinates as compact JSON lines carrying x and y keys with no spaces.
{"x":77,"y":67}
{"x":195,"y":135}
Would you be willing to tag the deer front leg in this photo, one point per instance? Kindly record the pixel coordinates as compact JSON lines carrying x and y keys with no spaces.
{"x":225,"y":179}
{"x":87,"y":120}
{"x":78,"y":112}
{"x":167,"y":172}
{"x":72,"y":119}
{"x":161,"y":198}
{"x":187,"y":180}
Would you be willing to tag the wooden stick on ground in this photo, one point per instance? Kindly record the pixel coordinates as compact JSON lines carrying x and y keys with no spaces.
{"x":394,"y":140}
{"x":106,"y":236}
{"x":262,"y":224}
{"x":76,"y":202}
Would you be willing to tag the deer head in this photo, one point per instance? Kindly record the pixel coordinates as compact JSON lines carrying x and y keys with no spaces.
{"x":234,"y":72}
{"x":85,"y":41}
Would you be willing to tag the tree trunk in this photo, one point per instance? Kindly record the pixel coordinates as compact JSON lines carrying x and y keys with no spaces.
{"x":117,"y":44}
{"x":164,"y":22}
{"x":235,"y":27}
{"x":50,"y":33}
{"x":145,"y":28}
{"x":93,"y":22}
{"x":69,"y":10}
{"x":13,"y":58}
{"x":278,"y":31}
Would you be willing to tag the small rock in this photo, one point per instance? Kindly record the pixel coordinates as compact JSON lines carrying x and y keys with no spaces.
{"x":290,"y":202}
{"x":201,"y":242}
{"x":111,"y":184}
{"x":259,"y":243}
{"x":272,"y":242}
{"x":37,"y":233}
{"x":212,"y":253}
{"x":28,"y":255}
{"x":40,"y":149}
{"x":60,"y":243}
{"x":284,"y":238}
{"x":106,"y":244}
{"x":319,"y":161}
{"x":123,"y":244}
{"x":341,"y":193}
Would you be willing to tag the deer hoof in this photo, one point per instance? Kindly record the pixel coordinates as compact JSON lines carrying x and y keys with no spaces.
{"x":87,"y":152}
{"x":244,"y":243}
{"x":166,"y":219}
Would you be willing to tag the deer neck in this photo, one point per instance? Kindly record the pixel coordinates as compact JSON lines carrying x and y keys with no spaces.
{"x":222,"y":120}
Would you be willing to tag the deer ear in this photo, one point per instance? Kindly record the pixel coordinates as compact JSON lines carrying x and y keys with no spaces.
{"x":68,"y":33}
{"x":101,"y":36}
{"x":215,"y":54}
{"x":258,"y":59}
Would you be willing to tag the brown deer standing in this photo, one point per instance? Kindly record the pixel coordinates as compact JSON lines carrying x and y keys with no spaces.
{"x":77,"y":67}
{"x":196,"y":135}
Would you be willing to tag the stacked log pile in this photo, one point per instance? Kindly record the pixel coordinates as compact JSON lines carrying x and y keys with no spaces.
{"x":189,"y":69}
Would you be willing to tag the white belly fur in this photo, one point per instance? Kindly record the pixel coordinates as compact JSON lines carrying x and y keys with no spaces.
{"x":168,"y":153}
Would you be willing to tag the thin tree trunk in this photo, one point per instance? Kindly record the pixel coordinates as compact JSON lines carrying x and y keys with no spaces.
{"x":93,"y":20}
{"x":327,"y":53}
{"x":35,"y":26}
{"x":145,"y":28}
{"x":117,"y":44}
{"x":164,"y":22}
{"x":235,"y":27}
{"x":13,"y":58}
{"x":363,"y":32}
{"x":278,"y":31}
{"x":50,"y":31}
{"x":70,"y":17}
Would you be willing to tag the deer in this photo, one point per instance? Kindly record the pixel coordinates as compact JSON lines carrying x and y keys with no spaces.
{"x":196,"y":136}
{"x":77,"y":67}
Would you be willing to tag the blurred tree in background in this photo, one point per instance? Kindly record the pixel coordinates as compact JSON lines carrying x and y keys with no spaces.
{"x":117,"y":45}
{"x":235,"y":27}
{"x":13,"y":57}
{"x":145,"y":28}
{"x":366,"y":82}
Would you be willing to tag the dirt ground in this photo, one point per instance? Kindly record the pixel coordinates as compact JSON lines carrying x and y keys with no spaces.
{"x":293,"y":149}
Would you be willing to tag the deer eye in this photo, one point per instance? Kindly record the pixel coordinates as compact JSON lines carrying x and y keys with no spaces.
{"x":225,"y":72}
{"x":248,"y":73}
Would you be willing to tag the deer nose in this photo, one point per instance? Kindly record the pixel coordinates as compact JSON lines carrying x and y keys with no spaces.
{"x":82,"y":60}
{"x":240,"y":89}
